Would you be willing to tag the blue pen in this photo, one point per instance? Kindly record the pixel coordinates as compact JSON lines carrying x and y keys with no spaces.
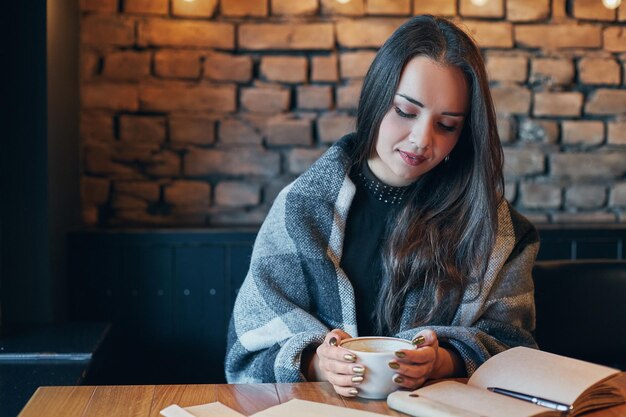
{"x":535,"y":400}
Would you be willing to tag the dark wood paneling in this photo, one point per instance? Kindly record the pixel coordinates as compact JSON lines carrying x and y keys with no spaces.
{"x":170,"y":294}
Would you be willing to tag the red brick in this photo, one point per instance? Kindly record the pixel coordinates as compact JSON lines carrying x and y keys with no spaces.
{"x":538,"y":195}
{"x":164,"y":164}
{"x":265,"y":99}
{"x":288,"y":69}
{"x":145,"y":190}
{"x":142,"y":128}
{"x":527,"y":10}
{"x":244,"y":8}
{"x":492,"y":8}
{"x":89,"y":215}
{"x":226,"y":67}
{"x":99,"y":160}
{"x":290,"y":7}
{"x":103,"y":30}
{"x":96,"y":126}
{"x":288,"y":130}
{"x":172,"y":96}
{"x":617,"y":133}
{"x":506,"y":128}
{"x":582,"y":218}
{"x":110,"y":96}
{"x":604,"y":101}
{"x":566,"y":35}
{"x":331,"y":127}
{"x":618,"y":195}
{"x":585,"y":196}
{"x":177,"y":64}
{"x":296,"y":36}
{"x":558,"y":104}
{"x":537,"y":130}
{"x":177,"y":217}
{"x":348,"y":95}
{"x":128,"y":202}
{"x":365,"y":33}
{"x":196,"y":8}
{"x":315,"y":97}
{"x":188,"y":193}
{"x":490,"y":34}
{"x":239,"y":131}
{"x":435,"y":7}
{"x":94,"y":190}
{"x":507,"y":68}
{"x":614,"y":39}
{"x":246,"y":160}
{"x":583,"y":132}
{"x":577,"y":166}
{"x":559,"y":10}
{"x":552,"y":71}
{"x":127,"y":65}
{"x":355,"y":64}
{"x":231,"y":217}
{"x":599,"y":71}
{"x":324,"y":68}
{"x":523,"y":161}
{"x":351,"y":8}
{"x":160,"y":7}
{"x":388,"y":7}
{"x":133,"y":153}
{"x":592,"y":10}
{"x":163,"y":32}
{"x":237,"y":194}
{"x":299,"y":159}
{"x":89,"y":65}
{"x":510,"y":191}
{"x":511,"y":99}
{"x":191,"y":129}
{"x":100,"y":6}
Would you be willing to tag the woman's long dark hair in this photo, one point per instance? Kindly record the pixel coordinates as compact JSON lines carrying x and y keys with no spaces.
{"x":443,"y":236}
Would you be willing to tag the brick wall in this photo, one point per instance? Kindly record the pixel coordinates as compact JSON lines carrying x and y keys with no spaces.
{"x":198,"y":113}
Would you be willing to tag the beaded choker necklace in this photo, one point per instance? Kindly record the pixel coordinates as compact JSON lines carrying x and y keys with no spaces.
{"x":378,"y":189}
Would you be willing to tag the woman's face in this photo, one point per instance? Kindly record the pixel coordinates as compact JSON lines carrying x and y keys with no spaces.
{"x":423,"y":124}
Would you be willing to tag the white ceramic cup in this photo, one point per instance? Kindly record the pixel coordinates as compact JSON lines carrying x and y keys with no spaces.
{"x":374,"y":353}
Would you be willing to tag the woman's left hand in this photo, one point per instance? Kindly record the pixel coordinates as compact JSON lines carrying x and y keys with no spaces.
{"x":426,"y":361}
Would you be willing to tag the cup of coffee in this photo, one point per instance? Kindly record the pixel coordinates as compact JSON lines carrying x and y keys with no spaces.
{"x":374,"y":354}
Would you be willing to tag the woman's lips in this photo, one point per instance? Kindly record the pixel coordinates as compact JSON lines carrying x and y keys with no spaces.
{"x":411,"y":158}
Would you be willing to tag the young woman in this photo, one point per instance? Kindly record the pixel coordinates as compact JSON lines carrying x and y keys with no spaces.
{"x":399,"y":229}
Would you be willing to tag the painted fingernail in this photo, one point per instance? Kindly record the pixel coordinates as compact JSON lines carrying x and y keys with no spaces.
{"x":398,"y":379}
{"x":400,"y":354}
{"x":358,"y":370}
{"x":332,"y":341}
{"x":418,"y":340}
{"x":357,"y":378}
{"x":353,"y":391}
{"x":349,"y":357}
{"x":394,"y":365}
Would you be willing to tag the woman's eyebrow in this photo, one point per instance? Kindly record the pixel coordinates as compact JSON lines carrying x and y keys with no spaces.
{"x":419,"y":104}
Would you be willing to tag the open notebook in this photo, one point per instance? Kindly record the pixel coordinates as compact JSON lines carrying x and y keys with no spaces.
{"x":559,"y":383}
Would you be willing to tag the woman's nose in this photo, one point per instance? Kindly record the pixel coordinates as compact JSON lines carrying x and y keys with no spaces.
{"x":421,"y":135}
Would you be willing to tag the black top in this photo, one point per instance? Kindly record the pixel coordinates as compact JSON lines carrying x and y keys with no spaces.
{"x":374,"y":202}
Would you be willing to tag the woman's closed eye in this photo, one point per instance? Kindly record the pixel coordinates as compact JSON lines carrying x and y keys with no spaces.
{"x":404,"y":114}
{"x":447,"y":128}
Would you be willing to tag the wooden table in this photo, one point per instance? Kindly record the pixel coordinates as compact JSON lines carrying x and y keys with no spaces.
{"x":148,"y":400}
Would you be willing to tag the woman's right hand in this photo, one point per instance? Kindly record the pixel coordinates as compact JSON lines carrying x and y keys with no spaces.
{"x":337,"y":364}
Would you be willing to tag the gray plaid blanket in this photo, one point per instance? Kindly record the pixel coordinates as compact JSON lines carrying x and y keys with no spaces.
{"x":295,"y":290}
